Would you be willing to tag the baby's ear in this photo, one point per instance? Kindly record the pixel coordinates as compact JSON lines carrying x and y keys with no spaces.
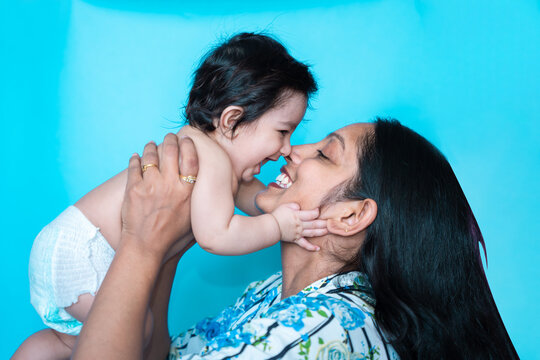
{"x":229,"y":117}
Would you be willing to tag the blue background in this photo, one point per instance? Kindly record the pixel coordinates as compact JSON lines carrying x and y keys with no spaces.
{"x":86,"y":83}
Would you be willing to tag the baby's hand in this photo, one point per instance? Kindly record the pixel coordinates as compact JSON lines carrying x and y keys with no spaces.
{"x":295,"y":225}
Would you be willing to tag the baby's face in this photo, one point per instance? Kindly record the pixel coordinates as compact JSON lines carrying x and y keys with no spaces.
{"x":268,"y":138}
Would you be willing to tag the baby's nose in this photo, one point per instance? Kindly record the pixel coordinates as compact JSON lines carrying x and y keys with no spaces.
{"x":286,"y":149}
{"x":275,"y":157}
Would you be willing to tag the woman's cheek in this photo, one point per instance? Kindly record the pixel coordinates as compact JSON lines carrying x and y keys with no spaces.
{"x":312,"y":189}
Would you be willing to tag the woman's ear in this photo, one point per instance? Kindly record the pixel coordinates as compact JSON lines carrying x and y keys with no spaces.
{"x":350,"y":217}
{"x":229,"y":117}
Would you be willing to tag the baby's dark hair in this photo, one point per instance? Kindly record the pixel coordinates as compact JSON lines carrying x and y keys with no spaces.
{"x":250,"y":70}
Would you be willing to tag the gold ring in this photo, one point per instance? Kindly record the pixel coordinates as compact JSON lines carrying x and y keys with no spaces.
{"x":145,"y":167}
{"x":190,"y":179}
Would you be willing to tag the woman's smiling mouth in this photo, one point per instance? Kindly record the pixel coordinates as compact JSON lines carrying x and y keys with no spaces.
{"x":283,"y":181}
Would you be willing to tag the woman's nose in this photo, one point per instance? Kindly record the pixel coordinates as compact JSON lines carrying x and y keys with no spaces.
{"x":297,"y":154}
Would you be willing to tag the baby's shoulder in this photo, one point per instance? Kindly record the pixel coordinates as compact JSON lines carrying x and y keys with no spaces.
{"x":213,"y":159}
{"x":201,"y":139}
{"x":194,"y":133}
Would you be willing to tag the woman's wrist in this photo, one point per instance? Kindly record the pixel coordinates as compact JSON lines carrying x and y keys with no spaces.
{"x":179,"y":248}
{"x":125,"y":293}
{"x":136,"y":250}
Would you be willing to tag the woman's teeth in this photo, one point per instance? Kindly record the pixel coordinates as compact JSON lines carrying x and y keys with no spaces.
{"x":283,"y":181}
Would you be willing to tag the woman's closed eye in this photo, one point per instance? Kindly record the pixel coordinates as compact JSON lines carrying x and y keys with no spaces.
{"x":321,"y":155}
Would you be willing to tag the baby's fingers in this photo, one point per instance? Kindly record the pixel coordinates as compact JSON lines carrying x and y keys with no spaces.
{"x":307,"y":245}
{"x":292,"y":206}
{"x":314,"y":228}
{"x":314,"y":224}
{"x":306,"y":215}
{"x":314,"y":232}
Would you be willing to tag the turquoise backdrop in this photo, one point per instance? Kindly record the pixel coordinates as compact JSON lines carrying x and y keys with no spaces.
{"x":86,"y":83}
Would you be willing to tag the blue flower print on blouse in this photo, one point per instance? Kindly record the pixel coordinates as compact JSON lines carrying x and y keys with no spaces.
{"x":330,"y":319}
{"x":292,"y":311}
{"x":349,"y":317}
{"x":208,"y":327}
{"x":232,"y":338}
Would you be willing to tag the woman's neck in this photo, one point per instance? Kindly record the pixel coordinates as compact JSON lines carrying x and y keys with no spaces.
{"x":302,"y":268}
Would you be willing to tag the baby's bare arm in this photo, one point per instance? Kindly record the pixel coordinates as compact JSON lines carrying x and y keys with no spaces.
{"x":215,"y":226}
{"x":245,"y":197}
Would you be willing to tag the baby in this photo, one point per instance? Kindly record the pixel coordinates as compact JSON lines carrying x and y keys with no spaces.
{"x":247,"y":98}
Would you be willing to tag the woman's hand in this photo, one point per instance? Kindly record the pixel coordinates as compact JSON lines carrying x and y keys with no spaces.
{"x":156,"y":208}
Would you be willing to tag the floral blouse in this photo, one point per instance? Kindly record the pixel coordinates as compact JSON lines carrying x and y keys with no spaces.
{"x":330,"y":319}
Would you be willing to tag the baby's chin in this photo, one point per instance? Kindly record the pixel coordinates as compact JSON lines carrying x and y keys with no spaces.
{"x":247,"y":177}
{"x":249,"y":174}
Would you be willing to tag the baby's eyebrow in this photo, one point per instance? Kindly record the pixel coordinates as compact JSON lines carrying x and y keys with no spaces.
{"x":338,"y":137}
{"x":288,"y":123}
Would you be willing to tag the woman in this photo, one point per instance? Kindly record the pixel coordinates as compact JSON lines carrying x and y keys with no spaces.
{"x":400,"y":231}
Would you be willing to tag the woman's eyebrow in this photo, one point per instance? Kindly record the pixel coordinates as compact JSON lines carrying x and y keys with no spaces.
{"x":338,"y":137}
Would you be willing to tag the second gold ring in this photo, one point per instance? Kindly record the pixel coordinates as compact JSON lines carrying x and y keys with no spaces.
{"x":189,"y":179}
{"x":145,"y":167}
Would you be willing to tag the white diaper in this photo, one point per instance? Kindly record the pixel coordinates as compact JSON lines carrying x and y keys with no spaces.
{"x":69,"y":258}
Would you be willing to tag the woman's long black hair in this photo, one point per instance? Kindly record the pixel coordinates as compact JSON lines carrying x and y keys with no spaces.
{"x":422,"y":253}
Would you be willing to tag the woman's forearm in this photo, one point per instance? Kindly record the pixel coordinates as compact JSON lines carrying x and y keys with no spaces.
{"x":159,"y":343}
{"x":115,"y":325}
{"x":245,"y":197}
{"x":158,"y":347}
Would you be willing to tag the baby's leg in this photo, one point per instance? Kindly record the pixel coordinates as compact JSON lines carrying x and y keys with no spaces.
{"x":51,"y":344}
{"x":46,"y":344}
{"x":81,"y":308}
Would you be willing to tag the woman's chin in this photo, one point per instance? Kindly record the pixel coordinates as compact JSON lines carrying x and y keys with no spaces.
{"x":269,"y":199}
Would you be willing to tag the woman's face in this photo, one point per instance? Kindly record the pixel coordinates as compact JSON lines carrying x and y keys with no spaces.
{"x":313,"y":170}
